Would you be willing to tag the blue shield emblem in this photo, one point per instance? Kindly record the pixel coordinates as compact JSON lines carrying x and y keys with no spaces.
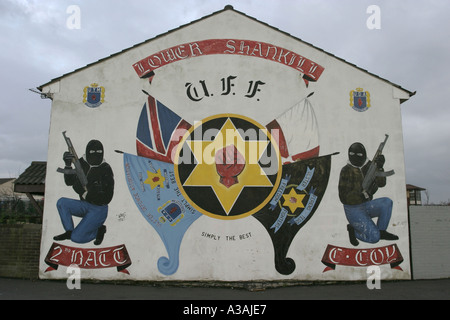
{"x":359,"y":99}
{"x":94,"y":96}
{"x":171,"y":211}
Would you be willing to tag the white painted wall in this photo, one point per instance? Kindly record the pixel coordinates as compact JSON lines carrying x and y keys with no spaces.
{"x":201,"y":258}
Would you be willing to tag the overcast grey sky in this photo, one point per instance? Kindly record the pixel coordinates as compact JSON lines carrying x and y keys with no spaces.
{"x":410,"y":49}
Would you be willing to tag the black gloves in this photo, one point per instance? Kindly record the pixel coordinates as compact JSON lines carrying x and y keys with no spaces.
{"x":68,"y":157}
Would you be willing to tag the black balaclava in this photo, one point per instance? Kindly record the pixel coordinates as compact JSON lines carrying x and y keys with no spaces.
{"x":94,"y":153}
{"x":357,"y":154}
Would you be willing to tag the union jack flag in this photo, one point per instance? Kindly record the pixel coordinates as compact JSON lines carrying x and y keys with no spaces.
{"x":159,"y":131}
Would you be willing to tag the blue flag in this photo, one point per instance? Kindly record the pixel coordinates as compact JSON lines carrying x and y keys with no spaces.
{"x":154,"y":189}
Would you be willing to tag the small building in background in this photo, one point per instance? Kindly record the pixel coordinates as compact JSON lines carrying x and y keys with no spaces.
{"x":25,"y":194}
{"x":414,"y":195}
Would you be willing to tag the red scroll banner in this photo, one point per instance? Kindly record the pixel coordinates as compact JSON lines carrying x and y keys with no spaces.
{"x":96,"y":258}
{"x":361,"y":257}
{"x":146,"y":67}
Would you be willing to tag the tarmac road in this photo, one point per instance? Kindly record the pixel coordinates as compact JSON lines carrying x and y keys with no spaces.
{"x":19,"y":289}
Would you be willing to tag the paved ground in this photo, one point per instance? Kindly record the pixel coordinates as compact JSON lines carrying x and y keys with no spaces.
{"x":18,"y":289}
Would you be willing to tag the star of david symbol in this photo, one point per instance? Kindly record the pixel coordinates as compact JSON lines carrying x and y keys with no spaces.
{"x":293,"y":200}
{"x":228,"y":166}
{"x":155,"y":179}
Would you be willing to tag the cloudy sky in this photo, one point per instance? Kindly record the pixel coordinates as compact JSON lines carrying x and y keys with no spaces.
{"x":410,"y":48}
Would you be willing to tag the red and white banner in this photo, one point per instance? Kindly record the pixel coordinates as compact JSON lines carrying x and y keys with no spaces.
{"x":146,"y":67}
{"x":361,"y":257}
{"x":88,"y":258}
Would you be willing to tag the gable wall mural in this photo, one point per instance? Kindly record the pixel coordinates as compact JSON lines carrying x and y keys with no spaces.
{"x":225,"y":154}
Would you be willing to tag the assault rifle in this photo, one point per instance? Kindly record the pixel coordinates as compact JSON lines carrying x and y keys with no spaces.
{"x":76,"y":162}
{"x":373,"y":172}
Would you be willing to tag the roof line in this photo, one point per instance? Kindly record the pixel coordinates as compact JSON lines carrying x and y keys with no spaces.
{"x":227,"y":7}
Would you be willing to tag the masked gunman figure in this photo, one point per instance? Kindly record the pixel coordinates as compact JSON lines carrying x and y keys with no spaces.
{"x":92,"y":207}
{"x":359,"y":206}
